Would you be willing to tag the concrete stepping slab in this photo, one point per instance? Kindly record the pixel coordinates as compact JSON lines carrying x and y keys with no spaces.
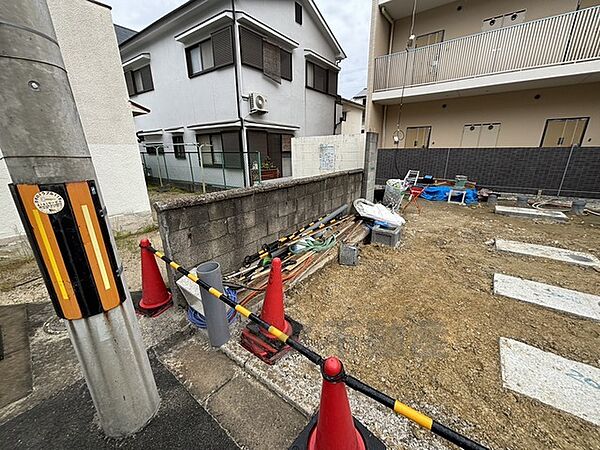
{"x":530,"y":213}
{"x":564,"y":384}
{"x":543,"y":251}
{"x":578,"y":303}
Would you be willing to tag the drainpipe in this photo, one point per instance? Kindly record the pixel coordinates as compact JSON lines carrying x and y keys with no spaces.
{"x":387,"y":16}
{"x":238,"y":87}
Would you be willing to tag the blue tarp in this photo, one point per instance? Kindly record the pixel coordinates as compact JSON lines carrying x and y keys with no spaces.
{"x":440,"y":194}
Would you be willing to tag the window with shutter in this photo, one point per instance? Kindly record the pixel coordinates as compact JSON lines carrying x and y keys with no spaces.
{"x":194,"y":60}
{"x":205,"y":149}
{"x":207,"y":55}
{"x":212,"y":53}
{"x":332,"y":82}
{"x":232,"y":147}
{"x":286,"y":65}
{"x":320,"y":79}
{"x":129,"y":82}
{"x":146,"y":75}
{"x":272,"y":61}
{"x":139,"y":81}
{"x":252,"y":48}
{"x":257,"y":143}
{"x":310,"y":74}
{"x":216,"y":141}
{"x":222,"y":47}
{"x":178,"y":146}
{"x":274,"y":146}
{"x":298,"y":13}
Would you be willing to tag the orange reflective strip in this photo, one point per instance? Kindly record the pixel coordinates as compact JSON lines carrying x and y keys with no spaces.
{"x":93,"y":242}
{"x":51,"y":255}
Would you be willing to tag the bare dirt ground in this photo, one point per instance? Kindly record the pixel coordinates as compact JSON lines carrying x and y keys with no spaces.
{"x":421,"y":323}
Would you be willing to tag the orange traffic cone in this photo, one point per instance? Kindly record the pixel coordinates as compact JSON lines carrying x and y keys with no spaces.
{"x":272,"y":309}
{"x":334,"y":428}
{"x":259,"y":341}
{"x":155,"y":296}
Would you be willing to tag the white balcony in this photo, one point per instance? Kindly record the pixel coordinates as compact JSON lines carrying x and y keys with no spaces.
{"x":557,"y":50}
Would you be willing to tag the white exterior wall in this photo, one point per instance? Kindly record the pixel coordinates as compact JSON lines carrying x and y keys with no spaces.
{"x":353,"y":122}
{"x":180,"y":101}
{"x":306,"y":153}
{"x":291,"y":103}
{"x":89,"y":47}
{"x":177,"y":100}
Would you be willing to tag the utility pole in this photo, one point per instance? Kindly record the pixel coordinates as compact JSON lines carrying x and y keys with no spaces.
{"x":56,"y":192}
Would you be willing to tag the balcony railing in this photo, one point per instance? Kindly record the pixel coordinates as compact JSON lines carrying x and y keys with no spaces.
{"x":567,"y":38}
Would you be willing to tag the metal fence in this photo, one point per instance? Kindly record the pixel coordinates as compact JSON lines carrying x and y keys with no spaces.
{"x":566,"y":38}
{"x":198,"y":167}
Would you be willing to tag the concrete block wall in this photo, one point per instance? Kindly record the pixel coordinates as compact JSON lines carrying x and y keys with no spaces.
{"x":349,"y":153}
{"x":228,"y":225}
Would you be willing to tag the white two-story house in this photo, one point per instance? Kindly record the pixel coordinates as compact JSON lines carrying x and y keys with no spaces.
{"x":228,"y":84}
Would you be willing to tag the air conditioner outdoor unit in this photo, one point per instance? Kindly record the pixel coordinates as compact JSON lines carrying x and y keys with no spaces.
{"x":258,"y":103}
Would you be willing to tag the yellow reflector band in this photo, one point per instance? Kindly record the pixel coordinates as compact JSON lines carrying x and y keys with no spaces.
{"x":95,"y":245}
{"x":193,"y":277}
{"x":215,"y":292}
{"x":243,"y":311}
{"x":48,"y":248}
{"x":278,"y":334}
{"x":415,"y":416}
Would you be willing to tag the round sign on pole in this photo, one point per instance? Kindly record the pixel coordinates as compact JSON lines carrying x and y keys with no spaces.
{"x":48,"y":202}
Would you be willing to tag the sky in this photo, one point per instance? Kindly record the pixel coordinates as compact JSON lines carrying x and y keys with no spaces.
{"x":349,"y":24}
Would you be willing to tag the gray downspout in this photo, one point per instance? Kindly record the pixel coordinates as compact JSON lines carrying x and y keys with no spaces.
{"x":238,"y":69}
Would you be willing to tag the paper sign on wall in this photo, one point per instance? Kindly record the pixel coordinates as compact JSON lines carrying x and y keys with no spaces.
{"x":326,"y":157}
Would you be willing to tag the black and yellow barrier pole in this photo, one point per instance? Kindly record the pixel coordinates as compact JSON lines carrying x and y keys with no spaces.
{"x":354,"y":383}
{"x":320,"y":223}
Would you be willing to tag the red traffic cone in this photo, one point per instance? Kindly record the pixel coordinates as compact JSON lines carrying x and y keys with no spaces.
{"x":154,"y":291}
{"x":335,"y":428}
{"x":272,"y":309}
{"x":259,"y":341}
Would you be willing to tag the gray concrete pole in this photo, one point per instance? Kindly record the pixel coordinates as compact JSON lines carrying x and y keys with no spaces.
{"x":43,"y":143}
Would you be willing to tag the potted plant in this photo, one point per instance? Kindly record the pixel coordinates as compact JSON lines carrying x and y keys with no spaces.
{"x":268,"y":170}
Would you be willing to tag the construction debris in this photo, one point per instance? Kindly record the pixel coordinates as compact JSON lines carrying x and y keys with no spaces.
{"x":348,"y":255}
{"x":386,"y":236}
{"x":377,"y":212}
{"x":301,"y":255}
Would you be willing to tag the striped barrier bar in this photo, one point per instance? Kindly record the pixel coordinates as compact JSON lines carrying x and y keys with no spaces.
{"x":391,"y":403}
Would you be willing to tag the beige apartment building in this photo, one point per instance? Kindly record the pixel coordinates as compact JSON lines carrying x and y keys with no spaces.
{"x":485,"y":74}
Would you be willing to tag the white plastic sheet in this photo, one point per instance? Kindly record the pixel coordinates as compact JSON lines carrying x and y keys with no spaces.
{"x":370,"y":210}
